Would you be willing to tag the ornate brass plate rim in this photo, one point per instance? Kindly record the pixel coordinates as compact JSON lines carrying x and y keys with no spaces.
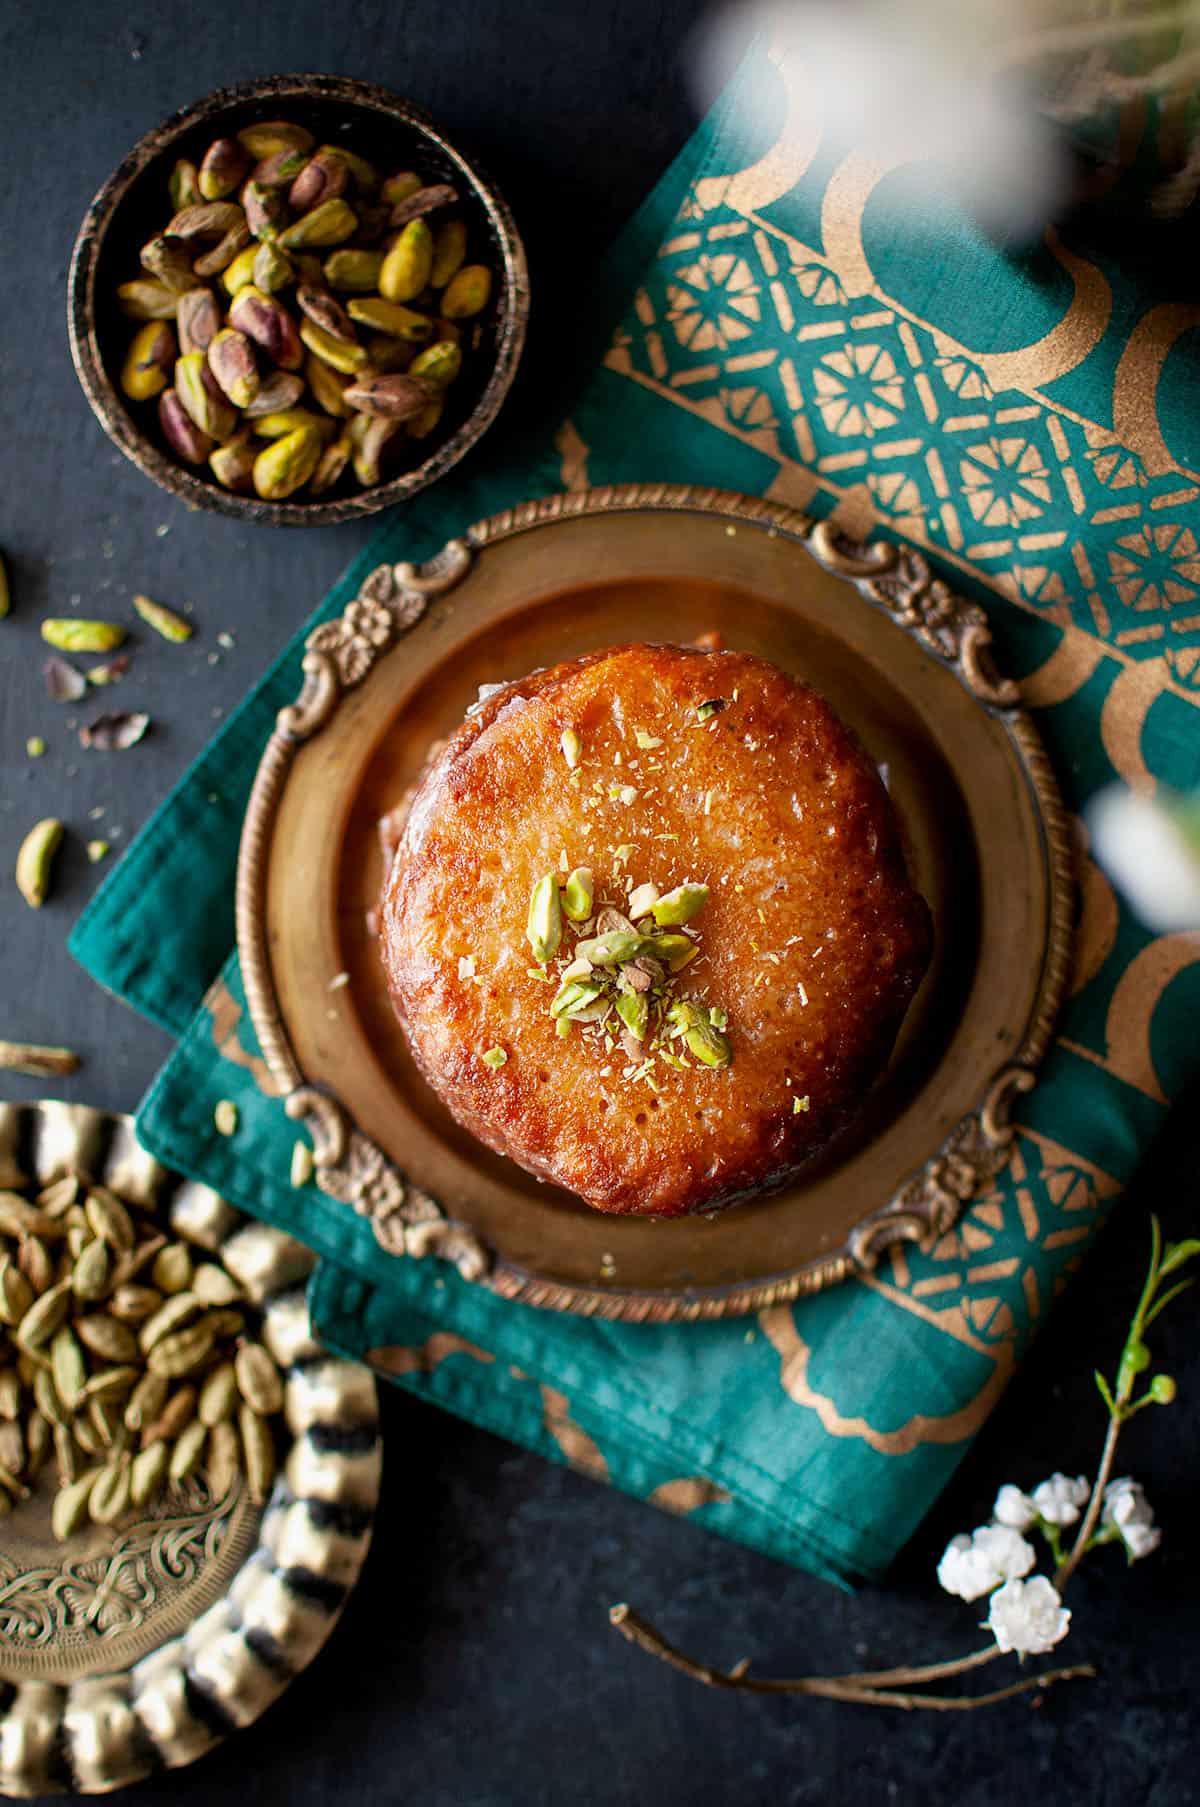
{"x":350,"y":1167}
{"x":95,"y":1731}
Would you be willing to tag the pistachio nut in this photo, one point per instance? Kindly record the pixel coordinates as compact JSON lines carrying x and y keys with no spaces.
{"x":676,"y":950}
{"x":148,"y":361}
{"x":198,"y":320}
{"x":275,"y":426}
{"x":680,"y":905}
{"x":223,"y":253}
{"x":268,"y":136}
{"x":543,"y":928}
{"x":280,"y":169}
{"x":147,"y":1472}
{"x":702,"y":1040}
{"x":180,"y":431}
{"x":385,"y":354}
{"x":106,"y":1215}
{"x":332,"y":464}
{"x":265,"y":210}
{"x":641,"y":901}
{"x":232,"y":464}
{"x":357,"y":271}
{"x":392,"y":318}
{"x":109,"y":1497}
{"x":258,"y":1451}
{"x":197,"y":389}
{"x":439,"y":364}
{"x":329,"y":223}
{"x":184,"y":185}
{"x":207,"y":219}
{"x":578,"y":894}
{"x":222,"y":167}
{"x":348,"y":358}
{"x":145,"y":1404}
{"x":168,"y":260}
{"x":320,"y":307}
{"x":223,"y":1459}
{"x":272,"y":269}
{"x":576,"y":996}
{"x":68,"y":1367}
{"x":369,"y":438}
{"x":327,"y":385}
{"x":70,"y":1508}
{"x":259,"y":1380}
{"x":407,"y":265}
{"x":35,"y":861}
{"x":287,"y":464}
{"x":421,"y":424}
{"x":280,"y":390}
{"x":467,"y":293}
{"x":395,"y":189}
{"x":185,"y":1457}
{"x":362,"y":173}
{"x":262,"y":319}
{"x":146,"y":299}
{"x":449,"y":250}
{"x":176,"y":628}
{"x":219,"y":1395}
{"x":236,"y":275}
{"x":420,"y":201}
{"x":613,"y":948}
{"x":395,"y":397}
{"x":233,"y":364}
{"x":323,"y":178}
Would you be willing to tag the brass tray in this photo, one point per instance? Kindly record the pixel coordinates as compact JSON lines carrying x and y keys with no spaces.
{"x":903,"y":660}
{"x":138,"y":1647}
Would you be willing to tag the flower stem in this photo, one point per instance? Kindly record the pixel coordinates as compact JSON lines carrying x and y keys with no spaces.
{"x":1083,"y":1536}
{"x":871,"y":1689}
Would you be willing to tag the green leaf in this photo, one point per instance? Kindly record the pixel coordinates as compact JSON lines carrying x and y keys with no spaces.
{"x":1105,"y":1392}
{"x":1173,"y":1292}
{"x":1176,"y":1253}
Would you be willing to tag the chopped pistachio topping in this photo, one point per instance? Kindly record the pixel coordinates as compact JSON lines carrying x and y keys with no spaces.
{"x":799,"y":1104}
{"x":225,"y":1116}
{"x":579,"y":894}
{"x":642,"y":900}
{"x":680,"y":905}
{"x":163,"y":620}
{"x":544,"y":926}
{"x":706,"y":711}
{"x":494,"y":1058}
{"x":572,"y":747}
{"x":717,"y":1017}
{"x":35,"y":746}
{"x":97,"y":851}
{"x":647,"y":742}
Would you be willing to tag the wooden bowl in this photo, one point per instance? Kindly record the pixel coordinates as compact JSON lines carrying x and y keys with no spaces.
{"x":133,"y":205}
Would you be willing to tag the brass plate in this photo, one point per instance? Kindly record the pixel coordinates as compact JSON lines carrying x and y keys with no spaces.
{"x":135,"y":1648}
{"x":906,"y":664}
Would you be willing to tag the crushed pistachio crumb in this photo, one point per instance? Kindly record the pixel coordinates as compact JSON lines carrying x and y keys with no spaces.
{"x":494,"y":1058}
{"x":572,"y":747}
{"x":706,"y":711}
{"x":97,"y":851}
{"x":35,"y":746}
{"x":647,"y":742}
{"x":225,"y":1116}
{"x":799,"y":1104}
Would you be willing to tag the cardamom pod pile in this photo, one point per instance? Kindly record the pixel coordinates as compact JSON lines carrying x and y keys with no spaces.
{"x":303,"y":318}
{"x":128,"y":1357}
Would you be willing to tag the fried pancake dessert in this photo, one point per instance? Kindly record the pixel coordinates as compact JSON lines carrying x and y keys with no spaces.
{"x":649,"y":928}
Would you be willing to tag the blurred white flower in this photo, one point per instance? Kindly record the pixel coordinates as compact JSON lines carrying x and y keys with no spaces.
{"x":1060,"y":1499}
{"x":1143,"y":845}
{"x":1130,"y":1513}
{"x":972,"y":1566}
{"x":1014,"y":1508}
{"x":1028,"y":1616}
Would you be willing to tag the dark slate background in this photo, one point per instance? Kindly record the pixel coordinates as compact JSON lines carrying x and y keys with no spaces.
{"x":475,"y":1664}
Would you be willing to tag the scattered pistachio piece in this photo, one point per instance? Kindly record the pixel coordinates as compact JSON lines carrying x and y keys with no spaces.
{"x":799,"y":1104}
{"x":642,"y":900}
{"x":578,"y":894}
{"x":494,"y":1058}
{"x":225,"y":1116}
{"x":113,"y":733}
{"x":35,"y":859}
{"x":302,"y":1164}
{"x":71,"y":636}
{"x":63,"y":683}
{"x":97,"y":851}
{"x":708,"y":1045}
{"x":706,"y":711}
{"x":572,"y":747}
{"x":717,"y":1017}
{"x":543,"y":929}
{"x":35,"y":746}
{"x":633,"y":1008}
{"x":109,"y":671}
{"x":563,"y":1027}
{"x":680,"y":905}
{"x":163,"y":620}
{"x":38,"y":1061}
{"x":647,"y":742}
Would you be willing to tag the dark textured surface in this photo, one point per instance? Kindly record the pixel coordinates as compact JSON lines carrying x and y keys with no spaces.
{"x":475,"y":1665}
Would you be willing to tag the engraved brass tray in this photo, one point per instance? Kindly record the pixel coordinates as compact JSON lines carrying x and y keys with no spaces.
{"x":138,"y":1647}
{"x":903,"y":660}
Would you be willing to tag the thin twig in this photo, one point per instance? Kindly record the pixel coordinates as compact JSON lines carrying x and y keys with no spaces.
{"x":1067,"y":1568}
{"x":853,"y":1688}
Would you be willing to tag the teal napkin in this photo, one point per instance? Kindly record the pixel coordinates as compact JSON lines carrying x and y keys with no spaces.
{"x":1018,"y":418}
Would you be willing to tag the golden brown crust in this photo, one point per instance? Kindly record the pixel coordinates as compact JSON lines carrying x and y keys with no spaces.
{"x":813,"y":940}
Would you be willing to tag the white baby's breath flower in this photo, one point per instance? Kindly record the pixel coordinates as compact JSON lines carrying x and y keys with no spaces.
{"x":1130,"y":1513}
{"x":1028,"y":1616}
{"x":1014,"y":1508}
{"x":973,"y":1566}
{"x":1061,"y":1499}
{"x":1149,"y":855}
